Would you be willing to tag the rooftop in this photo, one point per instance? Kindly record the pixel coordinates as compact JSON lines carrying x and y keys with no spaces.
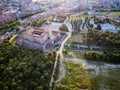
{"x":36,"y":32}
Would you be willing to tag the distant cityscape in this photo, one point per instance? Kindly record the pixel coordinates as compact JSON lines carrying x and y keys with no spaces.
{"x":18,"y":9}
{"x":59,"y":44}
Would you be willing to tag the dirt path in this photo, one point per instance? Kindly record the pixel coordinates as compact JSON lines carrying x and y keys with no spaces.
{"x":62,"y":66}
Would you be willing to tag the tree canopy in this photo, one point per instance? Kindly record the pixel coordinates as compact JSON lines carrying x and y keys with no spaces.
{"x":23,"y":68}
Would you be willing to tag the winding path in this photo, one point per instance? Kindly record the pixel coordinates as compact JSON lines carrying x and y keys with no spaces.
{"x":62,"y":66}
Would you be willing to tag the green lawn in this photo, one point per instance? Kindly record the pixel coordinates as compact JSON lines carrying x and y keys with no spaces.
{"x":76,"y":37}
{"x":75,"y":54}
{"x":111,"y":12}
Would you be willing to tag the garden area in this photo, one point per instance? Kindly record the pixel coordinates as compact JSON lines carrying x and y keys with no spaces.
{"x":110,"y":12}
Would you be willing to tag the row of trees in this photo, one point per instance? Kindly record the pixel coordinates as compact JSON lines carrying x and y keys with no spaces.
{"x":8,"y":26}
{"x":78,"y":22}
{"x":107,"y":56}
{"x":56,"y":74}
{"x":109,"y":41}
{"x":38,"y":23}
{"x":29,"y":15}
{"x":81,"y":22}
{"x":106,"y":39}
{"x":23,"y":68}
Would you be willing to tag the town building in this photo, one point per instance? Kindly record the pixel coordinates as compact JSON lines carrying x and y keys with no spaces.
{"x":39,"y":38}
{"x":35,"y":38}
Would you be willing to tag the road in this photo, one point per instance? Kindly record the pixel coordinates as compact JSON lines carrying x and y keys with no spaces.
{"x":62,"y":66}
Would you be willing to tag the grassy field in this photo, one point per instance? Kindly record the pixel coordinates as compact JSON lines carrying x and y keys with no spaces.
{"x":76,"y":78}
{"x":76,"y":37}
{"x":111,"y":81}
{"x":111,"y":12}
{"x":79,"y":78}
{"x":75,"y":54}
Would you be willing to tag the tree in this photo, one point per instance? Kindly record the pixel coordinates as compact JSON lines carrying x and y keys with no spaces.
{"x":98,"y":27}
{"x":61,"y":87}
{"x":64,"y":51}
{"x":64,"y":28}
{"x":24,"y":68}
